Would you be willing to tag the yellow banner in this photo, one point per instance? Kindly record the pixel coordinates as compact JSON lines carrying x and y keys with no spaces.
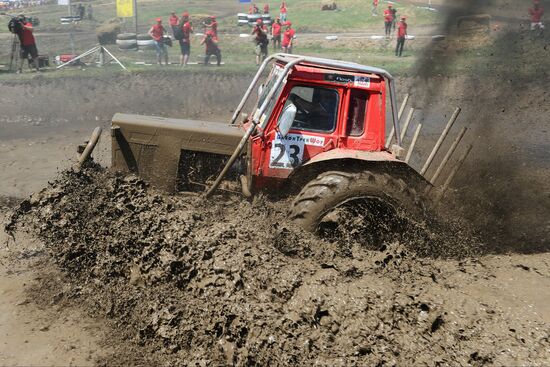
{"x":124,"y":8}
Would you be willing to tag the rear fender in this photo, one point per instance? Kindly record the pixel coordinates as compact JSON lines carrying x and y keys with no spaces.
{"x":355,"y":161}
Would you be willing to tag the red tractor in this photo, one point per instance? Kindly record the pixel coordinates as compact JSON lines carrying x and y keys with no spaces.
{"x":316,"y":134}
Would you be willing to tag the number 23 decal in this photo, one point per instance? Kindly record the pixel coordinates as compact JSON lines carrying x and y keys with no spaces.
{"x":287,"y":157}
{"x":287,"y":152}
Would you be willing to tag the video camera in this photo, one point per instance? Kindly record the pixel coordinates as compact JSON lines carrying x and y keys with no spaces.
{"x":15,"y":25}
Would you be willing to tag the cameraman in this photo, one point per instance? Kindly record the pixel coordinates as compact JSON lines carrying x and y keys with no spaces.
{"x":28,"y":44}
{"x":212,"y":48}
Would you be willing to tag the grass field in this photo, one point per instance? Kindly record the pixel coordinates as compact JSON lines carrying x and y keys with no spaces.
{"x":352,"y":15}
{"x":306,"y":15}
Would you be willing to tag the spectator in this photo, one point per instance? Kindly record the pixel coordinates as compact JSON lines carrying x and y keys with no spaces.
{"x":212,"y":48}
{"x":266,"y":9}
{"x":536,"y":13}
{"x":81,"y":11}
{"x":173,"y":21}
{"x":401,"y":36}
{"x":213,"y":25}
{"x":276,"y":34}
{"x":185,"y":39}
{"x":28,"y":45}
{"x":253,"y":9}
{"x":288,"y":38}
{"x":157,"y":32}
{"x":388,"y":20}
{"x":260,"y":31}
{"x":284,"y":10}
{"x":375,"y":7}
{"x":394,"y":19}
{"x":90,"y":12}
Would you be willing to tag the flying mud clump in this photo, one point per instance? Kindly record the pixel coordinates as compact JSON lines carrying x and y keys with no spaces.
{"x":231,"y":282}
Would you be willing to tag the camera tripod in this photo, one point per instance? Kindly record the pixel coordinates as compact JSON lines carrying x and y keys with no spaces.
{"x":100,"y":51}
{"x":15,"y":55}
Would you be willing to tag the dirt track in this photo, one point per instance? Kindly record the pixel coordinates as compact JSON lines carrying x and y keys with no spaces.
{"x":172,"y":280}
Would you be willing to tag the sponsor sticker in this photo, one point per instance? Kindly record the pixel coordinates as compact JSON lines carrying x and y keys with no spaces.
{"x":361,"y":81}
{"x":288,"y":152}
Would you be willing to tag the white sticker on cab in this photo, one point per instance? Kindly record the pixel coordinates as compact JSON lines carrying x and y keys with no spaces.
{"x":287,"y":152}
{"x":361,"y":81}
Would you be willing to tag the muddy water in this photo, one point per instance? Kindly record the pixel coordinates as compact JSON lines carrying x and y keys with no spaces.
{"x":231,"y":282}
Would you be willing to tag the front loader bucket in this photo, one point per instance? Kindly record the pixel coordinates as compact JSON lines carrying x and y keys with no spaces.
{"x":152,"y":146}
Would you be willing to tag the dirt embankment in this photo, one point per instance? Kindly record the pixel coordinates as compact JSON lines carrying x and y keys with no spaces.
{"x":44,"y":105}
{"x":226,"y":282}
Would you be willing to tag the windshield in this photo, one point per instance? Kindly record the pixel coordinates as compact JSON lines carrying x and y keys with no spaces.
{"x":267,"y":86}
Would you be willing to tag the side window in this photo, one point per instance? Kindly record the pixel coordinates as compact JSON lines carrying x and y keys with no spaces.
{"x":357,"y":112}
{"x":316,"y":108}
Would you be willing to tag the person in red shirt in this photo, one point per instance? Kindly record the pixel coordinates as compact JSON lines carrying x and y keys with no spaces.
{"x":401,"y":36}
{"x":185,"y":41}
{"x":173,"y":21}
{"x":276,"y":34}
{"x":388,"y":20}
{"x":260,"y":31}
{"x":375,"y":7}
{"x":288,"y":38}
{"x":213,"y":25}
{"x":212,"y":48}
{"x":157,"y":32}
{"x":28,"y":45}
{"x":536,"y":13}
{"x":266,"y":9}
{"x":284,"y":11}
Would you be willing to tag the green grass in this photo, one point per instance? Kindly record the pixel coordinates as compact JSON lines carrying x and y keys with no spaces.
{"x":353,"y":15}
{"x":307,"y":17}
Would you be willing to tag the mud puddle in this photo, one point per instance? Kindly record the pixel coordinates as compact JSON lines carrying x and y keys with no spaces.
{"x":189,"y":282}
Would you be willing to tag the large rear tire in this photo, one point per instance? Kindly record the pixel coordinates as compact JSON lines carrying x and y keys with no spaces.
{"x":337,"y":191}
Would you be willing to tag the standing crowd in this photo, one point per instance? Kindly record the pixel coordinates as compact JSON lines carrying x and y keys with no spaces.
{"x":182,"y":28}
{"x":281,"y":32}
{"x":390,"y":25}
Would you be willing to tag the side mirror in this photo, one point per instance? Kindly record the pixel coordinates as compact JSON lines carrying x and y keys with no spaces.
{"x":260,"y":90}
{"x":286,"y":119}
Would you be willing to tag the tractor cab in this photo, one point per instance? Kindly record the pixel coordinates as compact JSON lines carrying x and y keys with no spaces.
{"x":312,"y":110}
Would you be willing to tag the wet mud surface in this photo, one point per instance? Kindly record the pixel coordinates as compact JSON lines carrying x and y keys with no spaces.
{"x":189,"y":282}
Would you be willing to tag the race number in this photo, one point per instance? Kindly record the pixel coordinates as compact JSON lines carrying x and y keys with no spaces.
{"x":288,"y":152}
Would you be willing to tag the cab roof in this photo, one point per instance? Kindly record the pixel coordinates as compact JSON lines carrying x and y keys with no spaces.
{"x":334,"y":64}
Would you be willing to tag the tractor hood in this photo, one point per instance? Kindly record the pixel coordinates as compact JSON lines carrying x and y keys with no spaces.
{"x":151,"y":146}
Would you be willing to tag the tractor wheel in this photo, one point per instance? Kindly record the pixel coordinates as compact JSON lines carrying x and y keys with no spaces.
{"x":363,"y":206}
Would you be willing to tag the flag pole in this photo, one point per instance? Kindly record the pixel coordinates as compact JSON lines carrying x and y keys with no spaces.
{"x":136,"y":16}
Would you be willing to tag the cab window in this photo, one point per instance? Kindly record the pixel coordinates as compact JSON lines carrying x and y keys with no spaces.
{"x":316,"y":108}
{"x":357,"y":112}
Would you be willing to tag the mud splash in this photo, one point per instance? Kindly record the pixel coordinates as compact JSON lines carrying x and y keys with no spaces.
{"x":230,"y":282}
